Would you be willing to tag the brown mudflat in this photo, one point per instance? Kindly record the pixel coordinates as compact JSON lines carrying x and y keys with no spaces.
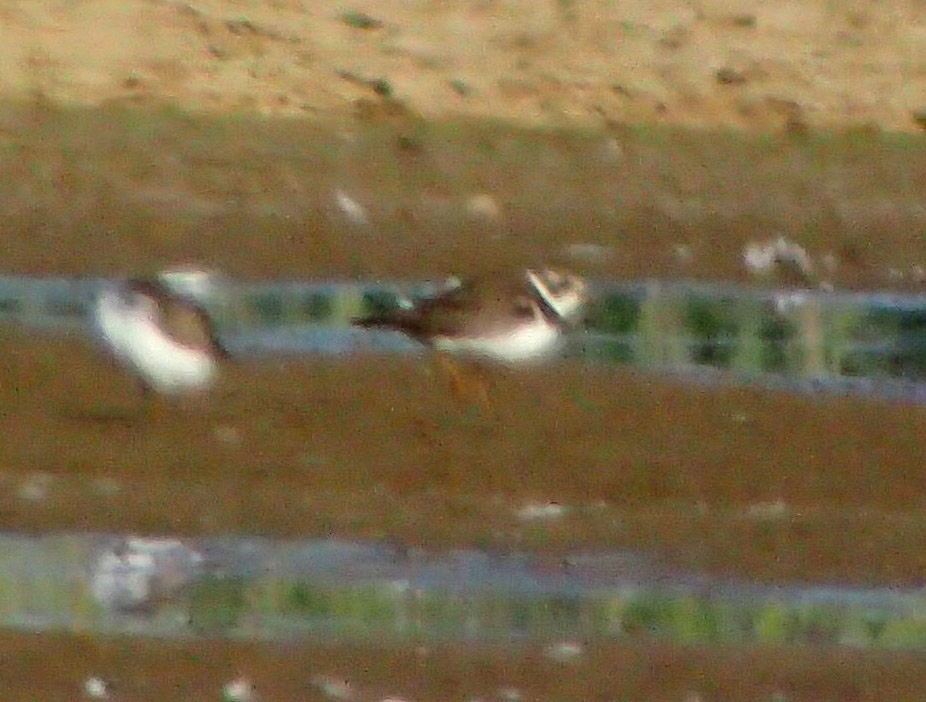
{"x":57,"y":668}
{"x":121,"y":189}
{"x":742,"y":481}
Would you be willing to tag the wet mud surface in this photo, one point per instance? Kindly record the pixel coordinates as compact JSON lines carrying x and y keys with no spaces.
{"x":57,"y":668}
{"x":730,"y":482}
{"x":745,"y":482}
{"x":383,"y":193}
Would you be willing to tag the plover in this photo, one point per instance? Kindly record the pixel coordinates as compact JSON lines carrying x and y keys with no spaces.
{"x":159,"y":332}
{"x":509,"y":322}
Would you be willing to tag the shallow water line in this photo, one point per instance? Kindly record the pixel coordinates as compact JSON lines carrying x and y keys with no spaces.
{"x":266,"y":589}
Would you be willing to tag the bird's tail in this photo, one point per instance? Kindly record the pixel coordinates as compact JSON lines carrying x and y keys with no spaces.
{"x":396,"y":320}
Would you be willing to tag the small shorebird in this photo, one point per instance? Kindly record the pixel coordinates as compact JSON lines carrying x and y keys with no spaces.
{"x":511,"y":322}
{"x":159,"y":333}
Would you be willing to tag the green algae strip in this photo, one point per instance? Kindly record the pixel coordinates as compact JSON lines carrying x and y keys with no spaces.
{"x":653,"y":324}
{"x":266,"y":590}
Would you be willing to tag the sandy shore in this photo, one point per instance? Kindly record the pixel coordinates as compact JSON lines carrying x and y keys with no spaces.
{"x":716,"y":62}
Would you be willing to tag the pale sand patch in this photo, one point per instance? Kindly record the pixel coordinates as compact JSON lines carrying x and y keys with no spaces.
{"x":720,"y":62}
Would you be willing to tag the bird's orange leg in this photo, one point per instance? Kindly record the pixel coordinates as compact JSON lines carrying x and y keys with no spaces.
{"x":467,"y":382}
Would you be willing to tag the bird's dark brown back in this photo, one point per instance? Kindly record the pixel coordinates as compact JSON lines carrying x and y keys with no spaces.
{"x":182,"y":320}
{"x":458,"y":310}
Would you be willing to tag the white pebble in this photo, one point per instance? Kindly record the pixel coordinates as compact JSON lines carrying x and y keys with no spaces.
{"x":549,"y":510}
{"x":352,"y":209}
{"x":336,"y":688}
{"x":483,"y":206}
{"x":96,"y":688}
{"x":35,"y":488}
{"x":238,"y":690}
{"x":564,"y":651}
{"x":768,"y":511}
{"x":763,"y":259}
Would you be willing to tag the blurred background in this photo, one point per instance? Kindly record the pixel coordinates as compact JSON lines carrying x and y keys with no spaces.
{"x":717,"y":493}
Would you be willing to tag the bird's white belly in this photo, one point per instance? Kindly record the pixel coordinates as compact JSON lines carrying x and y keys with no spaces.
{"x":165,"y":365}
{"x":526,"y":343}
